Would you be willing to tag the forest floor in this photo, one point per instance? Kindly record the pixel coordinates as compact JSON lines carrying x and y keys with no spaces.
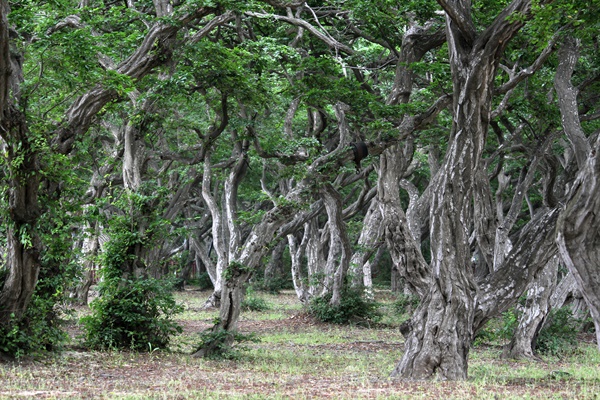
{"x":296,"y":358}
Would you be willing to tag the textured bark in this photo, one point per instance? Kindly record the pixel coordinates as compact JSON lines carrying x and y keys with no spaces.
{"x":439,"y":335}
{"x":239,"y":270}
{"x":578,"y":237}
{"x":315,"y":259}
{"x":532,"y":249}
{"x":23,"y":244}
{"x":537,"y":307}
{"x":274,"y":267}
{"x":296,"y":252}
{"x":370,"y":239}
{"x":338,"y":259}
{"x":567,"y":100}
{"x":219,"y":237}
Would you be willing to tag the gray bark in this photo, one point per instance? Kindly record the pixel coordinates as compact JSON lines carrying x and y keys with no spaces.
{"x":534,"y":313}
{"x":439,"y":335}
{"x":338,"y":259}
{"x":23,"y":245}
{"x":368,"y":242}
{"x":577,"y":235}
{"x":296,"y":252}
{"x":275,"y":265}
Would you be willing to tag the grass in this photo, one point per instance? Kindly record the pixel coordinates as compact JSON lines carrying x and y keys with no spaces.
{"x":297,"y":358}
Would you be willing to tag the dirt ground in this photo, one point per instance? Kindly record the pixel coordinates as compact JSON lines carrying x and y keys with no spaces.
{"x":81,"y":374}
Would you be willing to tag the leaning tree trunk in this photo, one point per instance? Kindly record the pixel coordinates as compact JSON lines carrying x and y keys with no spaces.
{"x":578,"y":235}
{"x":237,"y":273}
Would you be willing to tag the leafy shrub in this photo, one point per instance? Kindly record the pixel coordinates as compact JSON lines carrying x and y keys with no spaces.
{"x":353,"y":307}
{"x":134,"y":314}
{"x":221,"y":343}
{"x":559,"y":335}
{"x":499,"y":329}
{"x":405,"y":303}
{"x":273,"y":285}
{"x":255,"y":303}
{"x":38,"y":331}
{"x":40,"y":328}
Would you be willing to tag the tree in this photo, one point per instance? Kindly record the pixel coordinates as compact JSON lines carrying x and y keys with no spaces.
{"x":577,"y":239}
{"x":24,"y":147}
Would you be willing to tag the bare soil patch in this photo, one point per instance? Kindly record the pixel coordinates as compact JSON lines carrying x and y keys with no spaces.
{"x":312,"y":361}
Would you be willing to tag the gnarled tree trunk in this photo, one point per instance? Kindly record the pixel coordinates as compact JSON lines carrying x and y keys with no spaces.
{"x":21,"y":159}
{"x":441,"y":331}
{"x":534,"y":313}
{"x":578,"y":235}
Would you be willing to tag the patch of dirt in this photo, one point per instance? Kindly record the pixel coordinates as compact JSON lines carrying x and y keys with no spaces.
{"x":81,"y":374}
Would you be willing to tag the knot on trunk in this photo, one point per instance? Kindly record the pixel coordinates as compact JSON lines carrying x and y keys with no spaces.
{"x":406,"y":327}
{"x":360,"y":151}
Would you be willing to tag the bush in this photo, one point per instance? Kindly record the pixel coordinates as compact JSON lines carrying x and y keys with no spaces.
{"x":136,"y":314}
{"x":405,"y":304}
{"x":353,"y":308}
{"x":38,"y":331}
{"x":254,"y":303}
{"x":273,"y":285}
{"x":499,"y":329}
{"x":219,"y":341}
{"x":559,"y":335}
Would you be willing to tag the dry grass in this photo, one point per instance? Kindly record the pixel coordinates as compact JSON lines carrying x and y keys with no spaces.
{"x":297,"y":358}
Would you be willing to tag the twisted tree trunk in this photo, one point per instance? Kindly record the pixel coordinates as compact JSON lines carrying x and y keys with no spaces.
{"x":440,"y":333}
{"x":534,"y":314}
{"x":578,"y":236}
{"x":21,"y":159}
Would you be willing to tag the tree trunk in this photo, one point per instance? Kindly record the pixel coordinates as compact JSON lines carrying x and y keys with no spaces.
{"x":23,"y":244}
{"x":296,"y":252}
{"x":338,"y":259}
{"x":232,"y":296}
{"x":274,"y":267}
{"x":439,"y":335}
{"x":368,"y":242}
{"x":534,"y":314}
{"x":578,"y":237}
{"x":315,"y":259}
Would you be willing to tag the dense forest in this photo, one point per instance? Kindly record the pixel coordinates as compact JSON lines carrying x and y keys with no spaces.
{"x":447,"y":149}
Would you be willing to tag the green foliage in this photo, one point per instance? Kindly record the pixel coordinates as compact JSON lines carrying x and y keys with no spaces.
{"x":499,"y":329}
{"x":131,"y":312}
{"x":135,"y":314}
{"x":559,"y":335}
{"x":40,"y":329}
{"x":353,"y":307}
{"x":273,"y":285}
{"x":202,"y":281}
{"x":225,"y":344}
{"x":252,"y":302}
{"x":37,"y":332}
{"x":255,"y":303}
{"x":404,"y":304}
